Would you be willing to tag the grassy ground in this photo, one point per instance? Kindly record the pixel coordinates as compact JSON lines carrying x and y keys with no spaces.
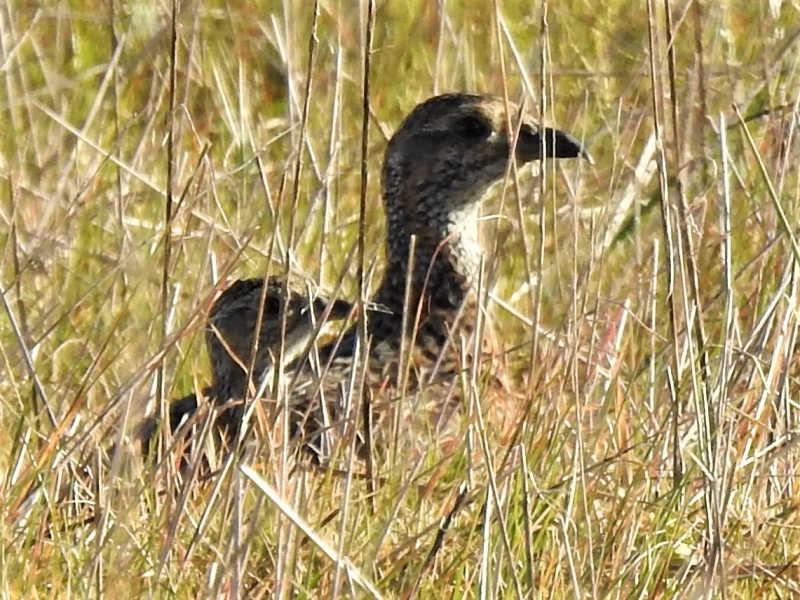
{"x":648,"y":302}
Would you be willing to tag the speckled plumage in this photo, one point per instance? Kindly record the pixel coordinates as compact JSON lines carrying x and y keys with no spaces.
{"x":290,"y":318}
{"x":437,"y":169}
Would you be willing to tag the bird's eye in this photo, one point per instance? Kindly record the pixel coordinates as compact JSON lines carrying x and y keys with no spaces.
{"x":473,"y":128}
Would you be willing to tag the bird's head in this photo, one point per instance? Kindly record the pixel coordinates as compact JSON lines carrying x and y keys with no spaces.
{"x":450,"y":149}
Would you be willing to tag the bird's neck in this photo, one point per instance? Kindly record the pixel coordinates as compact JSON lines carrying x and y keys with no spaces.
{"x":433,"y":267}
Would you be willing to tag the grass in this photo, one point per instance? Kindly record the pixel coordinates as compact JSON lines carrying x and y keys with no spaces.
{"x":648,"y":302}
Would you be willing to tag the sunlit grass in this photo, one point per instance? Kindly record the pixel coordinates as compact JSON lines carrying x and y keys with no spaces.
{"x":656,"y":456}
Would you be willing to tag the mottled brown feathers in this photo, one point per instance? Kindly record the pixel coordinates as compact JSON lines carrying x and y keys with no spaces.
{"x":437,"y":169}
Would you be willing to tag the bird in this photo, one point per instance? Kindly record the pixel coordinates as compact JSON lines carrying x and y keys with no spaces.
{"x":437,"y":170}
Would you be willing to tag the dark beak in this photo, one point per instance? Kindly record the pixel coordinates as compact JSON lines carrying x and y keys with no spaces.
{"x":557,"y":144}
